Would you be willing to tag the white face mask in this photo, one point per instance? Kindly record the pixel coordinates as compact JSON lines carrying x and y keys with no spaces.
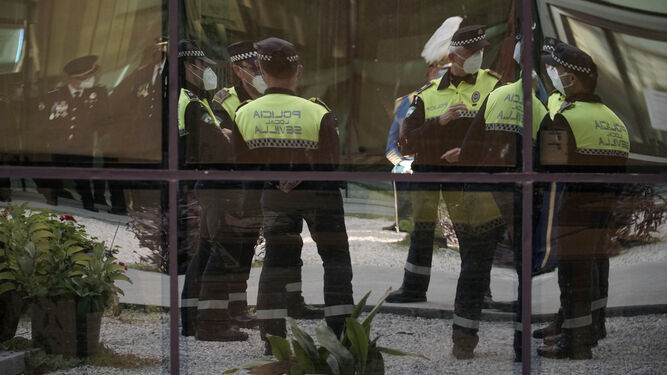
{"x":552,"y":72}
{"x":517,"y":52}
{"x":88,"y":83}
{"x":208,"y":78}
{"x":257,"y":82}
{"x":472,"y":64}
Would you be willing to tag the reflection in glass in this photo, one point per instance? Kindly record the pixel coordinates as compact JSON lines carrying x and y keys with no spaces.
{"x":78,"y":276}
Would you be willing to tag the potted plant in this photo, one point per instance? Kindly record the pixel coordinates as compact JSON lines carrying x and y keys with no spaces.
{"x":66,"y":274}
{"x":354,"y":353}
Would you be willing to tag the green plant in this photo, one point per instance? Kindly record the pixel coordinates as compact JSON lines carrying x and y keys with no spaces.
{"x":354,"y":353}
{"x":53,"y":257}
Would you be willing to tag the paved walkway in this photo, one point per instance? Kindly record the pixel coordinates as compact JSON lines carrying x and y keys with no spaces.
{"x":630,"y":286}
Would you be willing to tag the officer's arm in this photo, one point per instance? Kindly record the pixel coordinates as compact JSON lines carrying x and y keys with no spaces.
{"x":240,"y":152}
{"x":224,"y":117}
{"x":329,"y":144}
{"x":415,"y":128}
{"x":471,"y":147}
{"x":392,"y":152}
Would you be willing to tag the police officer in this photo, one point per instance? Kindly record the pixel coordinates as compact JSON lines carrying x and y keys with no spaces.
{"x":585,"y":135}
{"x":201,"y":142}
{"x":283,"y":132}
{"x":435,"y":54}
{"x":435,"y":127}
{"x":556,"y":98}
{"x":494,"y":141}
{"x":70,"y":116}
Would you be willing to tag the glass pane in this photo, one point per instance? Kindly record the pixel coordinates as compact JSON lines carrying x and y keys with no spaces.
{"x":83,"y":82}
{"x":599,"y":272}
{"x":262,"y":252}
{"x":85,"y":282}
{"x":365,"y":73}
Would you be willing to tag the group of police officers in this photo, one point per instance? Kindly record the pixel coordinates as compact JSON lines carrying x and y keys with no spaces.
{"x":462,"y":118}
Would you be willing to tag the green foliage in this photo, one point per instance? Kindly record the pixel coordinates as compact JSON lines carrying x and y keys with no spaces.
{"x":351,"y":354}
{"x":43,"y":255}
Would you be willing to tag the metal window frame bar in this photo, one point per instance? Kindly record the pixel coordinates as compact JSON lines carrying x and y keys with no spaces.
{"x":173,"y":175}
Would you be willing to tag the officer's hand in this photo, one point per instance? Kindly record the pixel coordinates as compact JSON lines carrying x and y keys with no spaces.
{"x":227,"y":133}
{"x":452,"y":113}
{"x":452,"y":155}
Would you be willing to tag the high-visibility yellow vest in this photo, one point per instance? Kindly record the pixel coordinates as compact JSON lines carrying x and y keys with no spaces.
{"x":596,"y":129}
{"x":184,"y":100}
{"x":437,"y":101}
{"x":228,"y":99}
{"x":281,"y":121}
{"x":554,"y":102}
{"x":504,"y":110}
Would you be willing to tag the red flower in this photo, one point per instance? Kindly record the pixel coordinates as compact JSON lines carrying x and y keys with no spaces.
{"x":67,"y":218}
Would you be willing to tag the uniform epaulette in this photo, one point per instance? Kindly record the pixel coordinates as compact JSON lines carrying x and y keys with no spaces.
{"x":429,"y":84}
{"x":221,"y":96}
{"x":190,"y":94}
{"x":565,"y":106}
{"x":320,"y":102}
{"x":554,"y":91}
{"x":493,"y":73}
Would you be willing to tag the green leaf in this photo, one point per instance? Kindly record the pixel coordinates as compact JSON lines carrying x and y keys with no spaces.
{"x":302,"y":357}
{"x":74,"y":249}
{"x":38,"y":226}
{"x":296,"y":370}
{"x":360,"y":306}
{"x":359,"y":341}
{"x":327,"y":338}
{"x":397,"y":352}
{"x":75,"y":273}
{"x":333,"y":365}
{"x":369,"y":319}
{"x":6,"y":287}
{"x":42,"y":234}
{"x":279,"y":347}
{"x":305,"y":341}
{"x":375,"y":363}
{"x":81,"y":257}
{"x":121,"y":277}
{"x":7,"y":276}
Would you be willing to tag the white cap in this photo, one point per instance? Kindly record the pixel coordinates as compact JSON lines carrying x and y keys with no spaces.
{"x":436,"y":48}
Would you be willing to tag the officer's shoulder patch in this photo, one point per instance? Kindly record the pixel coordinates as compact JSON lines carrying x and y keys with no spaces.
{"x":493,"y":73}
{"x":429,"y":84}
{"x":190,"y":94}
{"x":221,"y":96}
{"x":565,"y":106}
{"x":320,"y":102}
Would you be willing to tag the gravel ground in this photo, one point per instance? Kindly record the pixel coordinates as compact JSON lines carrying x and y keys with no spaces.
{"x":636,"y":345}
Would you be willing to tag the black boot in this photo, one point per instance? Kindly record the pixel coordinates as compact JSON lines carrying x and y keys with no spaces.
{"x":570,"y":345}
{"x":517,"y":346}
{"x":298,"y":309}
{"x":552,"y":329}
{"x":406,"y":296}
{"x":464,"y":344}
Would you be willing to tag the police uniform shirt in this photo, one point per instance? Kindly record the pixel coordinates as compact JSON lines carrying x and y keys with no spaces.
{"x":611,"y":143}
{"x":496,"y":142}
{"x":139,"y":109}
{"x":225,"y":119}
{"x":323,"y":156}
{"x":70,"y":118}
{"x":200,"y":133}
{"x":428,"y":139}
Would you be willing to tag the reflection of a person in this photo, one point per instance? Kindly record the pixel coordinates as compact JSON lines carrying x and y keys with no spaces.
{"x":435,"y":55}
{"x":69,"y":118}
{"x":140,"y":106}
{"x":437,"y":122}
{"x":294,"y":134}
{"x":585,"y":135}
{"x":494,"y":140}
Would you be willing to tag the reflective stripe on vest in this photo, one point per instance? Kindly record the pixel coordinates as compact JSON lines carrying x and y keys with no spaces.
{"x":597,"y":130}
{"x":183,"y":101}
{"x":504,"y":110}
{"x":554,"y":102}
{"x":231,"y":103}
{"x":437,"y":101}
{"x":280,"y":121}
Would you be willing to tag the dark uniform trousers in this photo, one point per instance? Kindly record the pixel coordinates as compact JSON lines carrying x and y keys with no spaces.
{"x":284,"y":213}
{"x":583,"y":259}
{"x":215,"y":284}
